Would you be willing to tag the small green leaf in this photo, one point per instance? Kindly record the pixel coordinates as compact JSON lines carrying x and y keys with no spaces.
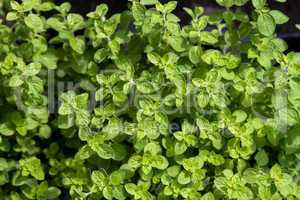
{"x":154,"y":58}
{"x":114,"y":47}
{"x":119,"y":152}
{"x":48,"y":59}
{"x":160,"y":162}
{"x":146,"y":87}
{"x":262,"y":158}
{"x":266,"y":24}
{"x":105,"y":151}
{"x":180,"y":148}
{"x":34,"y":22}
{"x":75,"y":21}
{"x":202,"y":99}
{"x":99,"y":178}
{"x":170,"y":6}
{"x":195,"y":53}
{"x":100,"y":55}
{"x":225,"y":3}
{"x":292,"y":142}
{"x":294,"y":58}
{"x":101,"y":10}
{"x":259,"y":4}
{"x":177,"y":43}
{"x":183,"y":178}
{"x":211,"y":56}
{"x":82,"y":101}
{"x":173,"y":171}
{"x":6,"y":129}
{"x":32,"y":166}
{"x":46,"y":6}
{"x":138,"y":12}
{"x":15,"y":81}
{"x":279,"y":17}
{"x":29,"y":5}
{"x":117,"y":177}
{"x":56,"y":24}
{"x":208,"y":196}
{"x":152,"y":148}
{"x":45,"y":131}
{"x":77,"y":44}
{"x":131,"y":188}
{"x":3,"y":164}
{"x":65,"y":109}
{"x":240,"y":2}
{"x":240,"y":115}
{"x":53,"y":193}
{"x":12,"y":16}
{"x":15,"y":5}
{"x":148,"y":2}
{"x":190,"y":12}
{"x":32,"y":69}
{"x":208,"y":37}
{"x":64,"y":8}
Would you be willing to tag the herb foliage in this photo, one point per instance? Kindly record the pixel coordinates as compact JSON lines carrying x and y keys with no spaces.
{"x":205,"y":111}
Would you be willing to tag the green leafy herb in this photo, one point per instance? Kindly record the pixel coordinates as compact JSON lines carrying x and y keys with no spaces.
{"x":141,"y":105}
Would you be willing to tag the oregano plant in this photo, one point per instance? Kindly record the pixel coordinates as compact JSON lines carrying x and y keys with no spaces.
{"x":136,"y":105}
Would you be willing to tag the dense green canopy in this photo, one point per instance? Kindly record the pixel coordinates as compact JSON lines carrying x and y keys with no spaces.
{"x":137,"y":106}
